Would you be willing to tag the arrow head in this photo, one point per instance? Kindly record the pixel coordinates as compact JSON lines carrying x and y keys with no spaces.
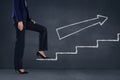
{"x":102,"y":19}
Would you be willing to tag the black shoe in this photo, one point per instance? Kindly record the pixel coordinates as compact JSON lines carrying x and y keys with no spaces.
{"x":38,"y":54}
{"x":18,"y":71}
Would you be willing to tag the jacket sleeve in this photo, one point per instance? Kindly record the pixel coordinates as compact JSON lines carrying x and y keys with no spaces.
{"x":17,"y":10}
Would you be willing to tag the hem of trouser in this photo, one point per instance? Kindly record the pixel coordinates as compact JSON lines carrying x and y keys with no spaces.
{"x":43,"y":49}
{"x":17,"y":68}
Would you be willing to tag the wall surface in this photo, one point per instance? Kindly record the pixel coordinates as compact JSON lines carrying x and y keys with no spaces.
{"x":57,"y":13}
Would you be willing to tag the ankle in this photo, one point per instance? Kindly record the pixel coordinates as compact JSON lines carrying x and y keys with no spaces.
{"x":21,"y":70}
{"x":42,"y":53}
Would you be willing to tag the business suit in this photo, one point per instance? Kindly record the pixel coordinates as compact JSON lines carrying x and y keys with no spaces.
{"x":20,"y":13}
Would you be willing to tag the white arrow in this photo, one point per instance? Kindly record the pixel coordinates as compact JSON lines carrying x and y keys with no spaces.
{"x":104,"y":19}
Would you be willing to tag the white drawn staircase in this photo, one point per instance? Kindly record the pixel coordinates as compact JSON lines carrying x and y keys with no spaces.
{"x":76,"y":48}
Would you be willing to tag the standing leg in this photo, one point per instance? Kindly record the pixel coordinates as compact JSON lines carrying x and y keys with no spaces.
{"x":19,"y":48}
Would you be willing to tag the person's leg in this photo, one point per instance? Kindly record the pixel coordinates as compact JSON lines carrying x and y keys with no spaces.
{"x":19,"y":48}
{"x":42,"y":36}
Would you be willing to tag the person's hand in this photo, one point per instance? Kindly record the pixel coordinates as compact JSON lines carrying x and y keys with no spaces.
{"x":20,"y":25}
{"x":33,"y":21}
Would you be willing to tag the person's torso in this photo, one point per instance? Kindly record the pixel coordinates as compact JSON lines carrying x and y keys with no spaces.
{"x":23,"y":10}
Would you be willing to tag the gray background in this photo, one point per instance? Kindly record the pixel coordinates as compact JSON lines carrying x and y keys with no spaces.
{"x":57,"y":13}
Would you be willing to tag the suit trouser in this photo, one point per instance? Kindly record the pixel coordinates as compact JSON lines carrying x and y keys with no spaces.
{"x":20,"y":41}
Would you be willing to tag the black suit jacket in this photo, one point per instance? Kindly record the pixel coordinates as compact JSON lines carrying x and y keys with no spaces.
{"x":20,"y":11}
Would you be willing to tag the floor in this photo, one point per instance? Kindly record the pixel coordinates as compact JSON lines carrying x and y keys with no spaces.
{"x":61,"y":75}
